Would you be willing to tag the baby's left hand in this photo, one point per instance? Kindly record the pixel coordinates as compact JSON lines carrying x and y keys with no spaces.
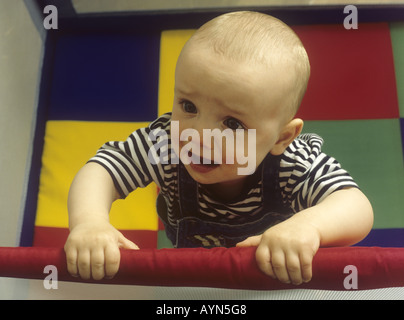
{"x":286,"y":250}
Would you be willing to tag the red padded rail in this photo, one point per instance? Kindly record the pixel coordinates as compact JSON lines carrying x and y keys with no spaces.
{"x":233,"y":268}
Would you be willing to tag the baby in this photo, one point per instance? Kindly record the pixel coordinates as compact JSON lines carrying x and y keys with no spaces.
{"x":242,"y":72}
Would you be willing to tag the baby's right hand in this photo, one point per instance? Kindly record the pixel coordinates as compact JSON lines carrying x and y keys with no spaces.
{"x":92,"y":250}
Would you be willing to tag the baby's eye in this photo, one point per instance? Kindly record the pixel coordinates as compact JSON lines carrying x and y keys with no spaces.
{"x":233,"y":124}
{"x":188,"y":107}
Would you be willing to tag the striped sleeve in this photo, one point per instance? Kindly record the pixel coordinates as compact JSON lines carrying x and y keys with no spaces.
{"x":127,"y":161}
{"x":307,"y":175}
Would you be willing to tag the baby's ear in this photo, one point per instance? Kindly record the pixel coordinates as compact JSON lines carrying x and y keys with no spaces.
{"x":289,"y":133}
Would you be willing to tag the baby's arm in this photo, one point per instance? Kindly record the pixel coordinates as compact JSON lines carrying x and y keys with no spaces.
{"x":286,"y":250}
{"x":92,"y":248}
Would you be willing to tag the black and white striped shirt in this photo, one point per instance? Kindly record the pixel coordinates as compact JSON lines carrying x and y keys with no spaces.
{"x":306,"y":175}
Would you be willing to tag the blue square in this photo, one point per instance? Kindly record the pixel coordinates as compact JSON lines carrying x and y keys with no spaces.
{"x":100,"y":77}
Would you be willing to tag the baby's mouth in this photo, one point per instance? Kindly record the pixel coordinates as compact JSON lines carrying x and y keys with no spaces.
{"x":210,"y":164}
{"x":200,"y":161}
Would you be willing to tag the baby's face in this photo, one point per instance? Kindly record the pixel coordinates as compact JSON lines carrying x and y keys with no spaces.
{"x":214,"y":93}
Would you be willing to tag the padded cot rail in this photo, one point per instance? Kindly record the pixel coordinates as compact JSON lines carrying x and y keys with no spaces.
{"x":233,"y":268}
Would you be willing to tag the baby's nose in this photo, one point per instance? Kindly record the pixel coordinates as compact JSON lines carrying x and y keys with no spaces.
{"x":197,"y":143}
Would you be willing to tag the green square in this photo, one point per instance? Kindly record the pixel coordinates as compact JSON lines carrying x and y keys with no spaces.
{"x":397,"y":40}
{"x":162,"y":240}
{"x":370,"y":150}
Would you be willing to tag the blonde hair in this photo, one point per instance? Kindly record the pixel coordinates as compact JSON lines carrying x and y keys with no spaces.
{"x":253,"y":37}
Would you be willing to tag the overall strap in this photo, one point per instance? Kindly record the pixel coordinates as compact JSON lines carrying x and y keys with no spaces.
{"x":272,"y":197}
{"x":188,"y":192}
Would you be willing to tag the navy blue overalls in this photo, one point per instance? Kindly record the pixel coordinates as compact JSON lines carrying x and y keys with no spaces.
{"x":191,"y":231}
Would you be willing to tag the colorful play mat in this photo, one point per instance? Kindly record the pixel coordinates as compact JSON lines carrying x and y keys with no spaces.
{"x":102,"y":86}
{"x":103,"y":78}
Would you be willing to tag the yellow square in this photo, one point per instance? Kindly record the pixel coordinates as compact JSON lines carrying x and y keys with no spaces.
{"x":68,"y":146}
{"x":171,"y":45}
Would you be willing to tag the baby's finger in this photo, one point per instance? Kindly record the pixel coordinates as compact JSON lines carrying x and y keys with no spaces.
{"x":306,"y":266}
{"x":263,"y":258}
{"x":112,"y":261}
{"x":278,"y":262}
{"x":97,"y":264}
{"x":71,"y":260}
{"x":250,"y":242}
{"x":84,"y":264}
{"x":294,"y":269}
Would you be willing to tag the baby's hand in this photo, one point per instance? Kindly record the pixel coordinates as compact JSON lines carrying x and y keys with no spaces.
{"x":286,"y":251}
{"x":92,"y":250}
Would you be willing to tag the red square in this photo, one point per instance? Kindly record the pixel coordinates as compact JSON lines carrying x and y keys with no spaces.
{"x":50,"y":237}
{"x":144,"y":239}
{"x":352,"y":73}
{"x":56,"y":237}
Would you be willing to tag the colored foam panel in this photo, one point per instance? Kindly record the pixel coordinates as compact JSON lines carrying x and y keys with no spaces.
{"x":56,"y":237}
{"x":402,"y":133}
{"x":50,"y":237}
{"x":116,"y":78}
{"x":346,"y":81}
{"x":68,"y":146}
{"x":105,"y":78}
{"x":391,"y":237}
{"x":162,"y":240}
{"x":397,"y":39}
{"x":371,"y":151}
{"x":352,"y":73}
{"x":172,"y":42}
